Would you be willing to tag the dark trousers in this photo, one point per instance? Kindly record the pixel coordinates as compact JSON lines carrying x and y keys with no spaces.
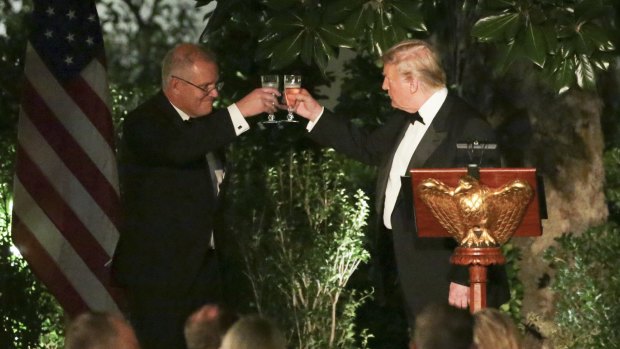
{"x":158,"y":311}
{"x":424,"y":268}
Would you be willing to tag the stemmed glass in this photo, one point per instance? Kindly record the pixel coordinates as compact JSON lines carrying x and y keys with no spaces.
{"x":292,"y":86}
{"x":272,"y":81}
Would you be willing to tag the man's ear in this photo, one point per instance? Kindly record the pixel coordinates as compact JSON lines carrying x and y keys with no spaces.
{"x":414,"y":85}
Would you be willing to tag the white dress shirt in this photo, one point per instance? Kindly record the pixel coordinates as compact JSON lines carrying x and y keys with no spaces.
{"x":405,"y":151}
{"x":239,"y":122}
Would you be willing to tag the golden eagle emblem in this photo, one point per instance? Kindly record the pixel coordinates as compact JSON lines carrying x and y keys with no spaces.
{"x":476,"y":215}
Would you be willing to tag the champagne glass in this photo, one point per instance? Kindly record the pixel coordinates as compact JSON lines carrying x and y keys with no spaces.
{"x":292,"y":86}
{"x":274,"y":82}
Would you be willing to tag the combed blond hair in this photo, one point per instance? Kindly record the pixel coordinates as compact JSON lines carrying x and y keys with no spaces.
{"x":494,"y":329}
{"x":416,"y":58}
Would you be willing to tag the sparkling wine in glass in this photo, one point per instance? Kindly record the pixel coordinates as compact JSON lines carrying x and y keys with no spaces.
{"x":292,"y":86}
{"x":272,"y":81}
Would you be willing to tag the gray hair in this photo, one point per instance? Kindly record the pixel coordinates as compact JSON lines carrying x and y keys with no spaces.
{"x":182,"y":57}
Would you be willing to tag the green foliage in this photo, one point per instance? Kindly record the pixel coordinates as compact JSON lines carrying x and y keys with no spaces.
{"x":29,"y":315}
{"x":612,"y":188}
{"x":139,"y":33}
{"x":569,"y":40}
{"x":586,"y":282}
{"x":513,"y":306}
{"x":313,"y":31}
{"x":300,"y":232}
{"x":587,"y":287}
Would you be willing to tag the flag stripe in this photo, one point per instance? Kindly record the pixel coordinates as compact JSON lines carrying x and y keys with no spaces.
{"x":79,"y":164}
{"x":50,"y":168}
{"x":95,"y":75}
{"x":70,"y":115}
{"x":91,"y":105}
{"x":46,"y":269}
{"x":33,"y":222}
{"x":49,"y":201}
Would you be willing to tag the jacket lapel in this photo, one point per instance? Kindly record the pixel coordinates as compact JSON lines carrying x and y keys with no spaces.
{"x":384,"y":170}
{"x":434,"y":136}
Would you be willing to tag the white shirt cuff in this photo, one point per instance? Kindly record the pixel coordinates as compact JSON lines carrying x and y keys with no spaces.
{"x":239,"y":122}
{"x":311,"y":124}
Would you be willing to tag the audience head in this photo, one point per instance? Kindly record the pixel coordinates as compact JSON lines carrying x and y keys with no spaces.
{"x":253,"y":332}
{"x":441,"y":326}
{"x":494,"y":329}
{"x":205,"y":328}
{"x":97,"y":330}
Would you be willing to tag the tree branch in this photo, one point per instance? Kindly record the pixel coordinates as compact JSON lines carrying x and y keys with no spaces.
{"x":135,"y":10}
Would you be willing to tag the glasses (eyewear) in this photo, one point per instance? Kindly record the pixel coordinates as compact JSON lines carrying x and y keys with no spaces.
{"x":206,"y":90}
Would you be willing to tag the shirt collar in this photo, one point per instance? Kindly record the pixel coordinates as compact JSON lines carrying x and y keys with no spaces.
{"x":182,"y":114}
{"x":429,"y":109}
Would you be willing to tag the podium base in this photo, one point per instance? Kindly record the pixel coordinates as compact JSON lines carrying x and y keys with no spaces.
{"x":478,"y":259}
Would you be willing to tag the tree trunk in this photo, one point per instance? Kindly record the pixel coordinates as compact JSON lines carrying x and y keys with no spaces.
{"x":566,"y":146}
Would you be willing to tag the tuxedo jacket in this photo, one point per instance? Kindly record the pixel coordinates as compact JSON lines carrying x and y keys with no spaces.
{"x":423,"y":264}
{"x":167,"y":194}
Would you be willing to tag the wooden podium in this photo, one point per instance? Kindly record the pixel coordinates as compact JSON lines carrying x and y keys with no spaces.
{"x":477,"y":258}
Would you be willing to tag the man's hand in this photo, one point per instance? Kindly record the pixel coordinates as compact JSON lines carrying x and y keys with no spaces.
{"x":261,"y":100}
{"x":459,"y":295}
{"x":306,"y":106}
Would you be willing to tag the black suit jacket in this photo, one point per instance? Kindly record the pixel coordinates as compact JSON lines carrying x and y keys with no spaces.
{"x":167,"y":194}
{"x":424,"y":268}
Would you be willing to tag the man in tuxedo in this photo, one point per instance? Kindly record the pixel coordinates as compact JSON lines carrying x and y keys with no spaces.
{"x":170,"y":173}
{"x":422,"y":133}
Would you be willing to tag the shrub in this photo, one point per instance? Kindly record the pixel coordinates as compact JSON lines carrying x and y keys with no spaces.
{"x":300,"y":245}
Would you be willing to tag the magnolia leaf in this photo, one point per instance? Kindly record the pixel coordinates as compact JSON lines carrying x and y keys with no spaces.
{"x":597,"y":36}
{"x":587,"y":10}
{"x":307,"y":48}
{"x":496,"y":28}
{"x":266,"y":43}
{"x":507,"y":55}
{"x":285,"y":52}
{"x":534,"y":44}
{"x":321,"y":53}
{"x":550,"y":38}
{"x":285,"y":23}
{"x":393,"y":35}
{"x":586,"y":79}
{"x":580,"y":44}
{"x":378,"y":34}
{"x":336,"y":37}
{"x":564,"y":76}
{"x":499,"y":4}
{"x":279,"y":5}
{"x":356,"y":22}
{"x":337,"y":11}
{"x":323,"y":45}
{"x":602,"y":60}
{"x":407,"y":15}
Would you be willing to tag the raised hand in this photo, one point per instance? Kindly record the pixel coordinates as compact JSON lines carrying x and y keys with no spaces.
{"x":306,"y":106}
{"x":260,"y":100}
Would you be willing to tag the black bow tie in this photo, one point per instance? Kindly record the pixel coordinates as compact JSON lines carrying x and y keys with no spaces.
{"x":413,"y":117}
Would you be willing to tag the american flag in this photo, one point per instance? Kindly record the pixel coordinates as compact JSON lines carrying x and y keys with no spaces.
{"x":66,"y":199}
